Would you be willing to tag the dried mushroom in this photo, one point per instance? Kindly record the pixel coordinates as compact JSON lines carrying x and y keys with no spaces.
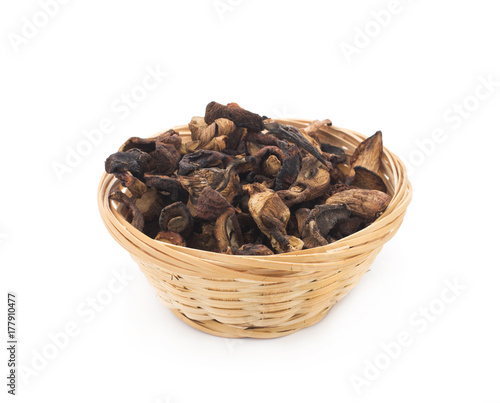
{"x":202,"y":159}
{"x":271,"y":215}
{"x":137,"y":217}
{"x":234,"y":113}
{"x":171,"y":237}
{"x":320,"y":221}
{"x":247,"y":185}
{"x":361,"y":202}
{"x":176,"y":218}
{"x":366,"y":179}
{"x":228,"y":232}
{"x":211,"y":204}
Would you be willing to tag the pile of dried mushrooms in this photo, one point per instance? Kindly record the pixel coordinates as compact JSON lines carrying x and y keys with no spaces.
{"x":248,"y":185}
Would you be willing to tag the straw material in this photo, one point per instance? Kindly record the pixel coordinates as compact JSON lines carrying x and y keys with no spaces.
{"x":261,"y":296}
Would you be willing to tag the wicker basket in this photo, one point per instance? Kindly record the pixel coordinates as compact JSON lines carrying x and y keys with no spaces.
{"x":261,"y":296}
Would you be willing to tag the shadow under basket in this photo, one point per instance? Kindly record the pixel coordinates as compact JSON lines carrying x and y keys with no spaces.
{"x":261,"y":296}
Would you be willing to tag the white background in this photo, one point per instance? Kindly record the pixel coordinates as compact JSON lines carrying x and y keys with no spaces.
{"x":277,"y":58}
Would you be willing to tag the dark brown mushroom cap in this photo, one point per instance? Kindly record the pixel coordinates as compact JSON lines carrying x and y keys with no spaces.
{"x":135,"y":161}
{"x":228,"y":232}
{"x":202,"y":159}
{"x":171,"y":186}
{"x":239,"y":116}
{"x":211,"y":204}
{"x":167,"y":159}
{"x":320,"y":221}
{"x":176,"y":218}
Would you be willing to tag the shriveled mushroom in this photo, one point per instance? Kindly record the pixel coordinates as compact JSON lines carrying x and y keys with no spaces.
{"x":196,"y":127}
{"x":202,"y":159}
{"x":361,"y":202}
{"x":176,"y":218}
{"x":135,"y":161}
{"x":301,"y":216}
{"x":313,"y":181}
{"x":134,"y":185}
{"x":368,"y":155}
{"x":171,"y":186}
{"x":228,"y":232}
{"x":233,"y":112}
{"x":290,"y":169}
{"x":150,"y":204}
{"x":294,"y":135}
{"x":224,"y":181}
{"x":320,"y":222}
{"x":269,"y":160}
{"x":271,"y":215}
{"x":211,"y":204}
{"x":137,"y":217}
{"x":171,"y":237}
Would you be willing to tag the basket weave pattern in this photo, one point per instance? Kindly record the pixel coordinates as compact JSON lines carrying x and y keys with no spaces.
{"x":261,"y":296}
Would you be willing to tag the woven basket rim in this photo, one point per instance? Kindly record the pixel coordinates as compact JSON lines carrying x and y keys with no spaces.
{"x":395,"y":176}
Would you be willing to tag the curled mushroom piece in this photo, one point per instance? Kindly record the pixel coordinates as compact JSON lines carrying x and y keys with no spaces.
{"x":239,"y":116}
{"x":137,"y":217}
{"x":202,"y":159}
{"x":368,"y":155}
{"x":269,"y":161}
{"x":171,"y":237}
{"x":134,"y":185}
{"x":361,"y":202}
{"x":301,"y":216}
{"x":251,"y":249}
{"x":320,"y":222}
{"x":228,"y":232}
{"x":176,"y":218}
{"x":271,"y":215}
{"x":196,"y":127}
{"x":214,"y":137}
{"x":290,"y":169}
{"x":333,"y":154}
{"x":313,"y":181}
{"x":171,"y":186}
{"x":294,"y":135}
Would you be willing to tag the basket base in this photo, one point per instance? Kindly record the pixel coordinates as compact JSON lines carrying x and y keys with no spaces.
{"x":221,"y":330}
